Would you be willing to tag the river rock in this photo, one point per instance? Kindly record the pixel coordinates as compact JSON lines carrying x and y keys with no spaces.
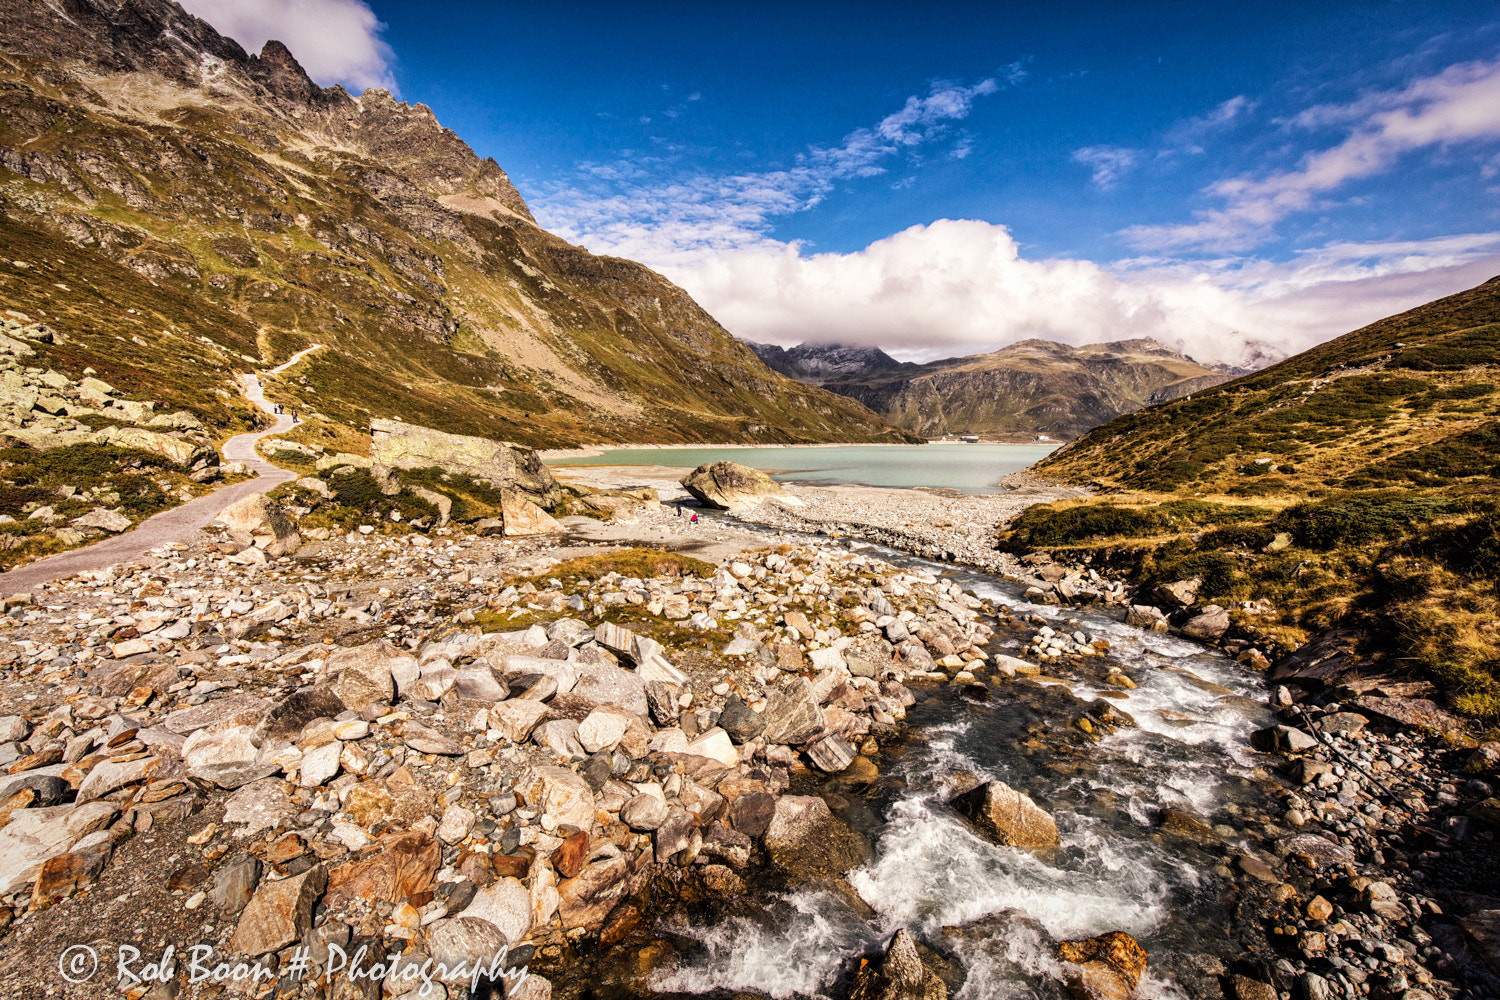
{"x":506,"y":904}
{"x":517,"y":718}
{"x":805,"y":837}
{"x":1320,"y":850}
{"x":467,"y":941}
{"x":643,"y":813}
{"x":1210,"y":625}
{"x":740,"y":721}
{"x":279,"y":913}
{"x":900,"y":975}
{"x":792,"y":715}
{"x":257,"y":521}
{"x":1282,"y":738}
{"x":560,"y":793}
{"x":831,"y":753}
{"x":1007,"y":816}
{"x":366,"y":673}
{"x":731,"y":486}
{"x":1180,"y":593}
{"x":1107,"y":967}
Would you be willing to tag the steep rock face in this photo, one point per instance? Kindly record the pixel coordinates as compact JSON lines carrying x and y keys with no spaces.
{"x":817,"y":364}
{"x":1029,"y":388}
{"x":209,"y":211}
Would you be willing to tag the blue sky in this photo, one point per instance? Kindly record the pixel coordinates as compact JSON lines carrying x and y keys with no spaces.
{"x":943,"y":179}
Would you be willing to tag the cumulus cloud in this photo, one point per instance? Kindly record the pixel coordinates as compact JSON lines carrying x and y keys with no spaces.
{"x":956,"y":287}
{"x":336,"y":41}
{"x":1459,"y":105}
{"x":959,"y":287}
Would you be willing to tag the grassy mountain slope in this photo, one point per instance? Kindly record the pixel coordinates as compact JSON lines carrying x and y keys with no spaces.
{"x":190,"y":211}
{"x":1356,"y":485}
{"x":1028,"y":388}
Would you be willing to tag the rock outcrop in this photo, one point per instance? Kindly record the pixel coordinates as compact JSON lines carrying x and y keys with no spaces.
{"x":505,"y":466}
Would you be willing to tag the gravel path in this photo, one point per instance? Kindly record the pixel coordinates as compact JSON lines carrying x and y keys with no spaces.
{"x":172,"y":525}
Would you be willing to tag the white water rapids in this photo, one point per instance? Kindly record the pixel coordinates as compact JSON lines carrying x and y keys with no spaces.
{"x":1194,"y":710}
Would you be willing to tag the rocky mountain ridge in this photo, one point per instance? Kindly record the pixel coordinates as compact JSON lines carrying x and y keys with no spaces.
{"x":180,"y":210}
{"x":1032,"y":387}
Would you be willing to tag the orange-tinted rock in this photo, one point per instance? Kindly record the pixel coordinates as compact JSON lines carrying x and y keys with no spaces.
{"x":569,"y":858}
{"x":1107,"y":967}
{"x":1008,"y":816}
{"x":405,"y":864}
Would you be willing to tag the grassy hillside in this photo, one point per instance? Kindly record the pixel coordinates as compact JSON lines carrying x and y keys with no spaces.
{"x":1355,"y":485}
{"x":188,"y":210}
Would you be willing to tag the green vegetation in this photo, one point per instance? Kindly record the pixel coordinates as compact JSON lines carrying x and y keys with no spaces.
{"x":1374,"y":463}
{"x":72,"y":482}
{"x":642,"y":563}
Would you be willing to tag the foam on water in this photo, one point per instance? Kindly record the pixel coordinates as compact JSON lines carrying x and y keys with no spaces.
{"x":931,"y":870}
{"x":795,"y":949}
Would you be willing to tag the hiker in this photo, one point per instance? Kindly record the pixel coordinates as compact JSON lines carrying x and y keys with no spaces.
{"x":294,"y":417}
{"x":693,"y":520}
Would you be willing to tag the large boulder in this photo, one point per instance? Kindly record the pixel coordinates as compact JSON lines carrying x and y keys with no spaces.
{"x":257,"y":521}
{"x":1208,"y":626}
{"x":805,"y":838}
{"x":1007,"y":816}
{"x":506,"y":466}
{"x":731,"y":486}
{"x":182,"y":452}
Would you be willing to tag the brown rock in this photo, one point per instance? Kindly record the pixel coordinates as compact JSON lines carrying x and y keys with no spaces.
{"x":569,"y":858}
{"x":1319,"y":908}
{"x":63,"y":875}
{"x":405,"y":865}
{"x":586,"y":900}
{"x":900,"y":976}
{"x":803,"y":836}
{"x":516,"y":865}
{"x":1107,"y":967}
{"x":280,"y":913}
{"x":1007,"y":816}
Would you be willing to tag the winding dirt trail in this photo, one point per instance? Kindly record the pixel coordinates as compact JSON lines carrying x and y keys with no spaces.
{"x":178,"y":523}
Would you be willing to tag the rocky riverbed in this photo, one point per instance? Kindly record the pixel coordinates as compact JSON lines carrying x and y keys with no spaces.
{"x":441,"y":746}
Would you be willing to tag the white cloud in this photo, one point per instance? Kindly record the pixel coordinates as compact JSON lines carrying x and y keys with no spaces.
{"x":959,"y":287}
{"x":626,"y":208}
{"x":1107,"y":163}
{"x":336,"y":41}
{"x":1459,"y":105}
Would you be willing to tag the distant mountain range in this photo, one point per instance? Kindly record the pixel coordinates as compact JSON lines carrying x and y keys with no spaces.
{"x":1031,"y":388}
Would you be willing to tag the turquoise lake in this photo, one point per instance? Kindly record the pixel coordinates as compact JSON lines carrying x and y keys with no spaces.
{"x":972,"y":468}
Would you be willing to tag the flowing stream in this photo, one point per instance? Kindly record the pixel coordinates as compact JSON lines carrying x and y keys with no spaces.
{"x":1115,"y":870}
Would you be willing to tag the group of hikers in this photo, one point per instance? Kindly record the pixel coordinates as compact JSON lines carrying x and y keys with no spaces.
{"x":692,"y":520}
{"x":280,"y":410}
